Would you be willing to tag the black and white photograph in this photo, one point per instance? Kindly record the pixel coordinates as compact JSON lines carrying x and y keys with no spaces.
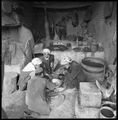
{"x":59,"y":59}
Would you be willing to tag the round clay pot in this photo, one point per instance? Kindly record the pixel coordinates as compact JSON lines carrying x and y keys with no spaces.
{"x":106,"y":112}
{"x":95,"y":63}
{"x":93,"y":68}
{"x":92,"y":77}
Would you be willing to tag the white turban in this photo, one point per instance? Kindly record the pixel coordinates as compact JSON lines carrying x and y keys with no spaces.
{"x":36,"y":61}
{"x":65,"y":60}
{"x":46,"y":51}
{"x":30,"y":66}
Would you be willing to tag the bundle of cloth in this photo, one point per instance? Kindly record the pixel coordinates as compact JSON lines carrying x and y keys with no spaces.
{"x":107,"y":84}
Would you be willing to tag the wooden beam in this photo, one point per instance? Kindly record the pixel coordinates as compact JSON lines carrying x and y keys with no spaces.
{"x":62,"y":5}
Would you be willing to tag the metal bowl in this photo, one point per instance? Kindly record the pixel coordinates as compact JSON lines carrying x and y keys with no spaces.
{"x":57,"y":82}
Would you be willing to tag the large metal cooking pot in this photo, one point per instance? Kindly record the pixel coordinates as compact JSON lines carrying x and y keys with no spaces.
{"x":93,"y":68}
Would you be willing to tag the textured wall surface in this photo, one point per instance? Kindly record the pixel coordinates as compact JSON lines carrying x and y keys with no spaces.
{"x":38,"y":21}
{"x":70,"y":29}
{"x":102,"y":25}
{"x":104,"y":29}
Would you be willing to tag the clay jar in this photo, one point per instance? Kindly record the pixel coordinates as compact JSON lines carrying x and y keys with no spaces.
{"x":107,"y":112}
{"x":93,"y":68}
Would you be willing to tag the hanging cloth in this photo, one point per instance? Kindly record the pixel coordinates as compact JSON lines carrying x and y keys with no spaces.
{"x":56,"y":37}
{"x":75,"y":19}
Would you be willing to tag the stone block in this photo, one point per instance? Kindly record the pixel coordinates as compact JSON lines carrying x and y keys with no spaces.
{"x":85,"y":112}
{"x":90,"y":95}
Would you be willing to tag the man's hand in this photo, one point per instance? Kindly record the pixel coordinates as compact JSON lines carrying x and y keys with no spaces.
{"x":50,"y":85}
{"x":48,"y":76}
{"x":61,"y":70}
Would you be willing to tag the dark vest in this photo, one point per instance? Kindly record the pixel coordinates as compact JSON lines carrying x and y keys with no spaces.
{"x":47,"y":64}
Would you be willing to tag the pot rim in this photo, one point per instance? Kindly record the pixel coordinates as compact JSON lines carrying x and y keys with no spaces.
{"x":108,"y":108}
{"x":97,"y":59}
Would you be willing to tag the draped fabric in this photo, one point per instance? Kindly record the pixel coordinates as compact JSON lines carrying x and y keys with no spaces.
{"x":75,"y":19}
{"x":27,"y":40}
{"x":64,"y":23}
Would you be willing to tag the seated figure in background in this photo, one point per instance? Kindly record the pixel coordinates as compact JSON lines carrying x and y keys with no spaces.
{"x":48,"y":62}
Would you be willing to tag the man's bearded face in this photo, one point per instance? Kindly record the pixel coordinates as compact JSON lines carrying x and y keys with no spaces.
{"x":46,"y":56}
